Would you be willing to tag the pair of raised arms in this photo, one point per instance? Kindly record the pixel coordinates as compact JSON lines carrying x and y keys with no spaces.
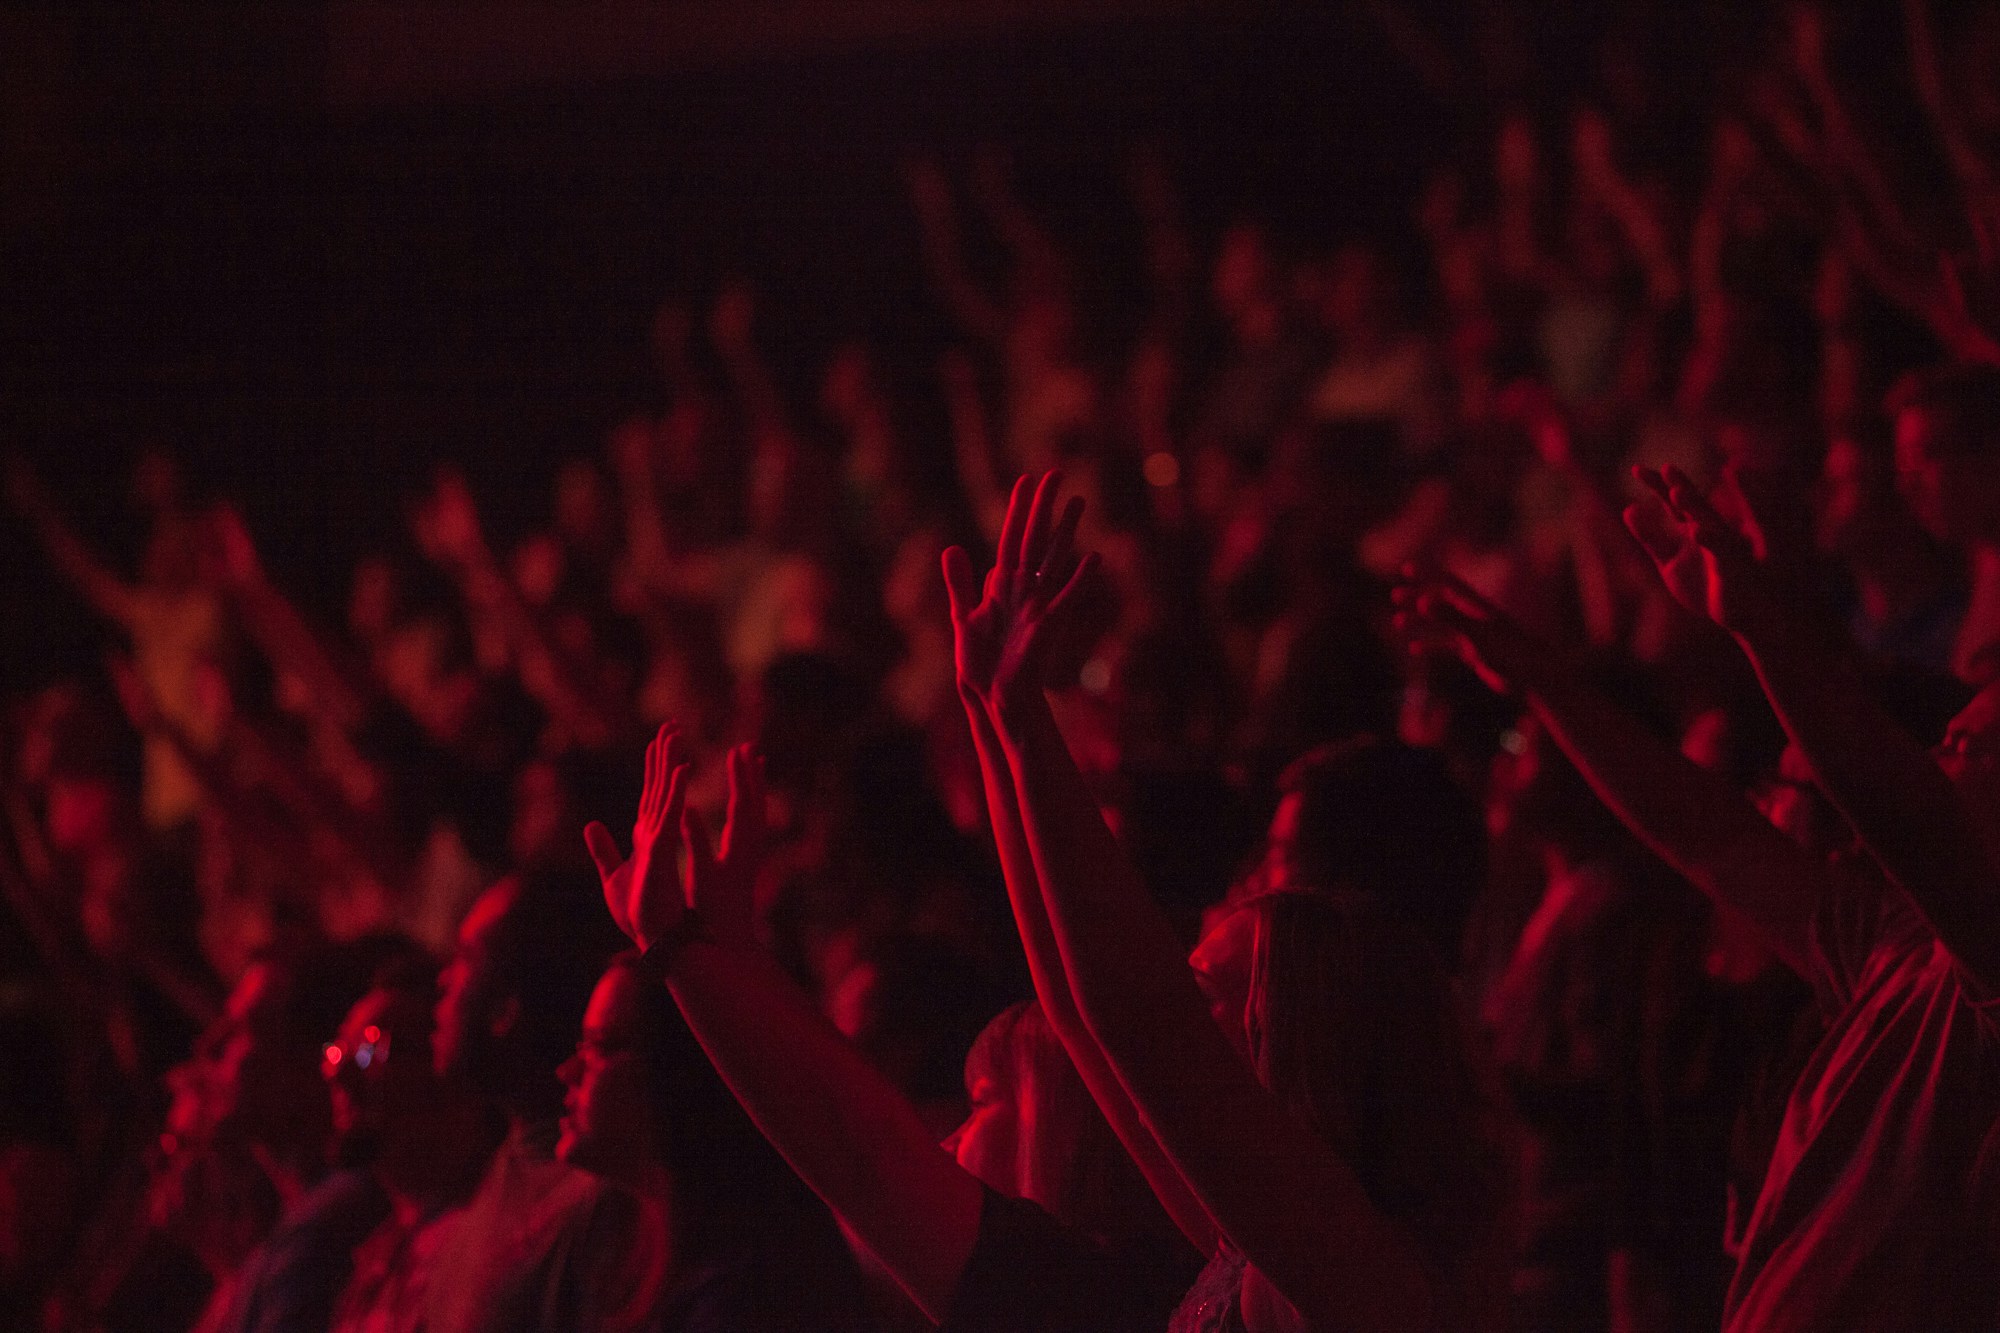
{"x":1901,"y":805}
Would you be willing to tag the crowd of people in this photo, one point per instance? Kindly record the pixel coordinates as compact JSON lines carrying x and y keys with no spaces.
{"x":1465,"y":798}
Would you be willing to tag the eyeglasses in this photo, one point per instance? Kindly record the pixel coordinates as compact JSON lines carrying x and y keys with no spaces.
{"x":370,"y":1051}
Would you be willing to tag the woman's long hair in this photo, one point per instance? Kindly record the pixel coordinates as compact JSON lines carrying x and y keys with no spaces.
{"x":1352,"y":1017}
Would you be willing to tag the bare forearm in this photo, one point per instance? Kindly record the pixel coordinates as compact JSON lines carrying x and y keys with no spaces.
{"x":1270,"y":1185}
{"x":1045,"y":968}
{"x":841,"y":1125}
{"x":1688,"y":816}
{"x":1899,"y":802}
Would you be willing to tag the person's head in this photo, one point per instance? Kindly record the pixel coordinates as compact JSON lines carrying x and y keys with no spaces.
{"x":250,"y":1100}
{"x":913,"y":1005}
{"x":260,"y":1060}
{"x":1948,"y":450}
{"x":642,"y":1098}
{"x":1343,"y":1013}
{"x":1033,"y":1131}
{"x":377,"y":1065}
{"x":1330,"y":959}
{"x":510,"y":1000}
{"x":1970,"y":757}
{"x":1382,"y":820}
{"x":610,"y":1122}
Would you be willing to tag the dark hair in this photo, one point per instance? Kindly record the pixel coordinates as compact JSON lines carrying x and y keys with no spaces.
{"x":1386,"y":820}
{"x":1965,"y":400}
{"x":1352,"y":1024}
{"x":548,"y":950}
{"x":1077,"y":1168}
{"x":320,"y":980}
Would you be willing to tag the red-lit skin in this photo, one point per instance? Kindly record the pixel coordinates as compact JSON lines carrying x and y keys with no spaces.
{"x":1222,"y":963}
{"x":1928,"y":820}
{"x":607,"y":1124}
{"x":369,"y":1100}
{"x":1273,"y":1188}
{"x":1969,"y":754}
{"x":847,"y":1131}
{"x":997,"y":1138}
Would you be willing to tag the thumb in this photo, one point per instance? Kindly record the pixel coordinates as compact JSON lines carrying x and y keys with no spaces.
{"x":1648,"y":522}
{"x":603,"y":850}
{"x":960,"y":584}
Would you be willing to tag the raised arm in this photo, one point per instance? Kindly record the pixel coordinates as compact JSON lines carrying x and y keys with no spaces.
{"x":109,"y":595}
{"x":844,"y":1128}
{"x":1906,"y":811}
{"x":976,"y":615}
{"x":1691,"y":818}
{"x":1274,"y":1188}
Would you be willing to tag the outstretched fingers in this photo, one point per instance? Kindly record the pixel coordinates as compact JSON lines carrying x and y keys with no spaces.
{"x":1059,"y":561}
{"x":1074,"y":587}
{"x":1007,"y":557}
{"x":961,"y":583}
{"x":1041,"y":525}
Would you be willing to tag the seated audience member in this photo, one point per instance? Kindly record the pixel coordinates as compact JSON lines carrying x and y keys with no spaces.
{"x":968,"y":1256}
{"x":729,"y":1238}
{"x":422,"y":1142}
{"x":1297,"y":1093}
{"x":1872,"y":1213}
{"x":246,"y":1176}
{"x":540,"y":1242}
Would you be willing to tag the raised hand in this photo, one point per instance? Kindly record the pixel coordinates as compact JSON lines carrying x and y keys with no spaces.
{"x":723,"y":884}
{"x":1441,"y":613}
{"x":1003,"y":635}
{"x":644,"y":894}
{"x":1706,"y":564}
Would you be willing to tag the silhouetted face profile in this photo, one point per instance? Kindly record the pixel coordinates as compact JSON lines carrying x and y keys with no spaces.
{"x":1222,"y":963}
{"x":996,"y":1141}
{"x":607,"y":1124}
{"x":1969,"y":754}
{"x":378,"y":1069}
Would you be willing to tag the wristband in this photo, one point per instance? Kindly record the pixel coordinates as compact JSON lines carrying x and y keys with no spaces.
{"x":658,"y":956}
